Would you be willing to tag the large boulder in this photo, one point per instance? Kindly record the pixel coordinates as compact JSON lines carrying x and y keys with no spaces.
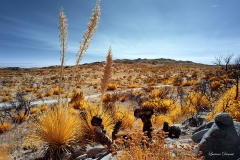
{"x":222,"y":140}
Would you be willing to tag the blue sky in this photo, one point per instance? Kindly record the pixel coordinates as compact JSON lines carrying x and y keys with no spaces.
{"x":195,"y":30}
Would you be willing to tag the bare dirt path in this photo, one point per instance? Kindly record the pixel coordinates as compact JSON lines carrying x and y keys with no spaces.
{"x":51,"y":101}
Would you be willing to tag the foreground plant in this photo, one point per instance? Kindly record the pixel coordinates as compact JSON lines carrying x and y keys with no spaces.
{"x":94,"y":128}
{"x":5,"y":126}
{"x":4,"y":152}
{"x":59,"y":129}
{"x":136,"y":145}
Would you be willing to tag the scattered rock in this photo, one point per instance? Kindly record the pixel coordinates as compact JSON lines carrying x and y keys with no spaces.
{"x":97,"y":153}
{"x":205,"y":126}
{"x":174,"y":131}
{"x":78,"y":154}
{"x":194,"y":121}
{"x":222,"y":140}
{"x":197,"y":136}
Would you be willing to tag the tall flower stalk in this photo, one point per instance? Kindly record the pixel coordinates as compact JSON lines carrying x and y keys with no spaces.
{"x":88,"y":34}
{"x":84,"y":43}
{"x":63,"y":45}
{"x":107,"y":73}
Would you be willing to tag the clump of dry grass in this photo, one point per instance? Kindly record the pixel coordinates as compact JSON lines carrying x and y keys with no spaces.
{"x":20,"y":117}
{"x":59,"y":129}
{"x":5,"y":126}
{"x":132,"y":85}
{"x":4,"y":152}
{"x":126,"y":116}
{"x":135,"y":145}
{"x":43,"y":108}
{"x":112,"y":87}
{"x":78,"y":101}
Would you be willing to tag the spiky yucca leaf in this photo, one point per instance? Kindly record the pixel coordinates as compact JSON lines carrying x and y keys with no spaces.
{"x":58,"y":128}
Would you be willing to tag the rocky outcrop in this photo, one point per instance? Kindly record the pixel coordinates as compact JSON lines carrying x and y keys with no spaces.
{"x":222,"y":140}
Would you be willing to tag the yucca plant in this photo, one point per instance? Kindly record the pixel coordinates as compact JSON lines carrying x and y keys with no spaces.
{"x":63,"y":43}
{"x":88,"y":133}
{"x":59,"y":128}
{"x":84,"y":43}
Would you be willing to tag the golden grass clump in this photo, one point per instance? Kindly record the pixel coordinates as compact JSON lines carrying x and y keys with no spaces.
{"x":35,"y":110}
{"x":31,"y":143}
{"x":58,"y":128}
{"x":190,"y":83}
{"x":126,"y":116}
{"x":158,"y":93}
{"x":158,"y":120}
{"x":4,"y":152}
{"x":215,"y":85}
{"x":112,"y":87}
{"x":39,"y":95}
{"x":20,"y":117}
{"x":160,"y":105}
{"x":56,"y":91}
{"x":48,"y":93}
{"x":194,"y":103}
{"x":5,"y":126}
{"x":132,"y":86}
{"x":79,"y":85}
{"x":227,"y":104}
{"x":6,"y":98}
{"x":43,"y":108}
{"x":78,"y":101}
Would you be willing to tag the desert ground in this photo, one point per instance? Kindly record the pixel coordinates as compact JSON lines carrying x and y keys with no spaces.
{"x":173,"y":89}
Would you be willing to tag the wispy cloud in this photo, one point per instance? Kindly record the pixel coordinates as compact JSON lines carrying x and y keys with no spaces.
{"x":214,"y":6}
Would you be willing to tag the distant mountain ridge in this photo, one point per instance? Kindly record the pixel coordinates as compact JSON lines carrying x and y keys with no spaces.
{"x":153,"y":61}
{"x":125,"y":61}
{"x":149,"y":61}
